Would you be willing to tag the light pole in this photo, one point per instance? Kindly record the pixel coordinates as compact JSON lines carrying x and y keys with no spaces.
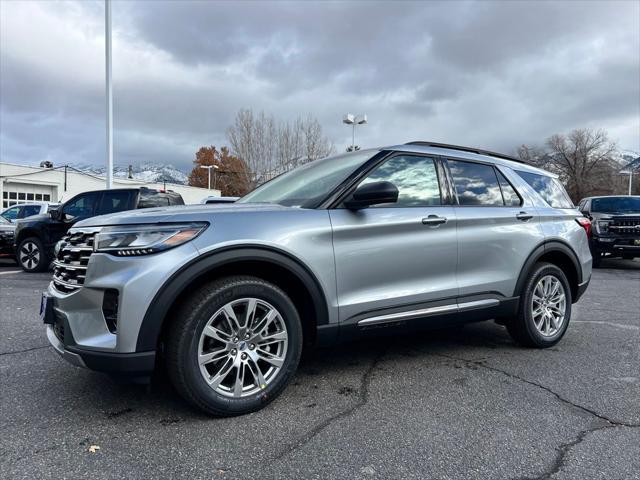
{"x":209,"y":167}
{"x":107,"y":56}
{"x":630,"y":173}
{"x":353,"y":120}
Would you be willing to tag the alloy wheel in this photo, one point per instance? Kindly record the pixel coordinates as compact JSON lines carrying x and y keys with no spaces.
{"x":242,"y":347}
{"x":548,"y":305}
{"x":30,"y":255}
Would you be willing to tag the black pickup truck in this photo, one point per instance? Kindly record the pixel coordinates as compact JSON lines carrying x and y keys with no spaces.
{"x":615,"y":224}
{"x":36,"y":237}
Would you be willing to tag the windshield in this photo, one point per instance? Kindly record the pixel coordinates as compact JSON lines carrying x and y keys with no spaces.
{"x":616,"y":205}
{"x":308,"y":182}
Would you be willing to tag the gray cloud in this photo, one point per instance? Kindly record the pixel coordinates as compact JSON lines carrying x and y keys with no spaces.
{"x":492,"y":74}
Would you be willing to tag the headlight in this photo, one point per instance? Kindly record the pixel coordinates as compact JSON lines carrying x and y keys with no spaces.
{"x":603,"y":226}
{"x":128,"y":240}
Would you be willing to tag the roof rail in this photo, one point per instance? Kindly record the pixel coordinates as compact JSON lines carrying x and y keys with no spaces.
{"x":467,"y":149}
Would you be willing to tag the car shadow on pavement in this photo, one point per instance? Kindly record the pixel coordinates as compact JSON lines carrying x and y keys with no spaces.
{"x":336,"y":369}
{"x":619,"y":264}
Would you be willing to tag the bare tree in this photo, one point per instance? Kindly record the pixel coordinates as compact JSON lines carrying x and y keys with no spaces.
{"x":269,"y":148}
{"x":585,"y":160}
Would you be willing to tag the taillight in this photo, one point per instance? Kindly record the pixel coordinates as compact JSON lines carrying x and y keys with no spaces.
{"x":585,"y":223}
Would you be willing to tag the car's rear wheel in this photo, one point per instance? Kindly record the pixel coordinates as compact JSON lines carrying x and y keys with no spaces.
{"x":545,"y":308}
{"x":32,"y":256}
{"x":234,"y":345}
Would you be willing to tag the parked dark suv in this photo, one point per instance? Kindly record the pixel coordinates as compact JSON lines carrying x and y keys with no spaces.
{"x":35,"y":237}
{"x":615,"y":226}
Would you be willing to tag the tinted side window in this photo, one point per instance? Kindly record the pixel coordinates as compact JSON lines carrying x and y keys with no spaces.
{"x":548,"y":188}
{"x":475,"y":183}
{"x":82,"y":206}
{"x":30,"y":210}
{"x":150,"y":201}
{"x":509,"y":194}
{"x":415,"y":178}
{"x":12,"y":213}
{"x":114,"y":201}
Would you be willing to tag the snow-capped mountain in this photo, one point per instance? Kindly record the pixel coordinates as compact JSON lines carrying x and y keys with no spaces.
{"x":151,"y":173}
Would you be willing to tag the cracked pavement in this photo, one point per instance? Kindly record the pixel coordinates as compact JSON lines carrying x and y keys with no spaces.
{"x":457,"y":403}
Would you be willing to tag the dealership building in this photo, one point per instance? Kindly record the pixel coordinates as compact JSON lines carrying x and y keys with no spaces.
{"x":22,"y":184}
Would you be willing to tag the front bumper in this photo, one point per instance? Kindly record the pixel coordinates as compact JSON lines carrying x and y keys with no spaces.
{"x":6,"y":245}
{"x":125,"y":364}
{"x":129,"y":364}
{"x":616,"y":245}
{"x":79,"y":330}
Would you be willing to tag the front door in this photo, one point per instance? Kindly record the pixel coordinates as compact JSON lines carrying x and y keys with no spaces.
{"x":396,"y":257}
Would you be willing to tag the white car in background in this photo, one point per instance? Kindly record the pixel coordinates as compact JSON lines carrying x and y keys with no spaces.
{"x":24,"y":210}
{"x":213,"y":199}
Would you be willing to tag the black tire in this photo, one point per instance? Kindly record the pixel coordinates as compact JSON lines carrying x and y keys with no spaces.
{"x":32,"y":256}
{"x":596,"y":259}
{"x":183,"y":336}
{"x":522,"y":328}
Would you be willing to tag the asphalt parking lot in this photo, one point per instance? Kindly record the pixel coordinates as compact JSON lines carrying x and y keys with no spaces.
{"x":464,"y":403}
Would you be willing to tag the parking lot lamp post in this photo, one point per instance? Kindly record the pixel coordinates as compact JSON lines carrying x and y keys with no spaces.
{"x":208,"y":167}
{"x":107,"y":56}
{"x":353,"y":120}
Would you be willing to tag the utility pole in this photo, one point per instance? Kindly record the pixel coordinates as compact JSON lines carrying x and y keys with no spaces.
{"x":107,"y":34}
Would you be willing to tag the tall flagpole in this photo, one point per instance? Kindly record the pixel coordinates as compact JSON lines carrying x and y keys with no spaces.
{"x":107,"y":34}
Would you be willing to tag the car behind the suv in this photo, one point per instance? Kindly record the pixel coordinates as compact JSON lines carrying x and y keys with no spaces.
{"x":36,"y":236}
{"x":25,"y":210}
{"x":615,"y":226}
{"x":406,"y":237}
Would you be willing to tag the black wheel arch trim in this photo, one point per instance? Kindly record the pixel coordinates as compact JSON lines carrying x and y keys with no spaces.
{"x":542,"y":249}
{"x":171,"y":290}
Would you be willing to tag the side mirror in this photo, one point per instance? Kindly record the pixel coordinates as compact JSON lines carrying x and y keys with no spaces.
{"x":370,"y":194}
{"x":56,"y":213}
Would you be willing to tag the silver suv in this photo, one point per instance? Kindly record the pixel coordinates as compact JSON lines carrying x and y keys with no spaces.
{"x":404,"y":237}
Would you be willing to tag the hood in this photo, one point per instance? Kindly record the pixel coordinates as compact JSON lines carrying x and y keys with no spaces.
{"x":181,"y":213}
{"x":611,"y":216}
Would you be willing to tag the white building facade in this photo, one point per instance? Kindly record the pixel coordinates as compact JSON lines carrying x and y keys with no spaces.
{"x":23,"y":184}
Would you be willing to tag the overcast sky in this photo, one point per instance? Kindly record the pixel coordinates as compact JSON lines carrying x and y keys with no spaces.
{"x":487,"y":74}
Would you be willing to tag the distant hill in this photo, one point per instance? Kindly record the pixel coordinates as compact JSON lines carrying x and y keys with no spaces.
{"x":145,"y":172}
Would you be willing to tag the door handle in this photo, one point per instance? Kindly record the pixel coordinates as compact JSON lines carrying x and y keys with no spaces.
{"x":434,"y":220}
{"x":524,"y":216}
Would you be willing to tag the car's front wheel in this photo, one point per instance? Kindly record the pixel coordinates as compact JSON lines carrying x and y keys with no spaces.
{"x":545,"y":308}
{"x":234,"y":345}
{"x":32,"y":256}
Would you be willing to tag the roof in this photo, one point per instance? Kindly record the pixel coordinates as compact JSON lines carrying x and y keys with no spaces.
{"x":608,"y":196}
{"x":466,"y":149}
{"x":469,"y":153}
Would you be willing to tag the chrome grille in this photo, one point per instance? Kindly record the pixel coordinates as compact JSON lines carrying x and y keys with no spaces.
{"x":71,"y":259}
{"x":630,"y":226}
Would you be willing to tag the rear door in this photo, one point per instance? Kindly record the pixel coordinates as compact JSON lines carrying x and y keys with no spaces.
{"x":30,"y":211}
{"x":395,"y":257}
{"x":113,"y":201}
{"x":497,"y":229}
